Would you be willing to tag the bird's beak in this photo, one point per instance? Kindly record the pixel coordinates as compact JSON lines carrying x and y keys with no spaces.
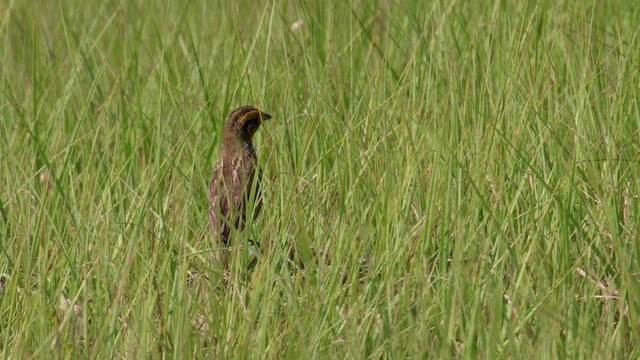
{"x":264,"y":116}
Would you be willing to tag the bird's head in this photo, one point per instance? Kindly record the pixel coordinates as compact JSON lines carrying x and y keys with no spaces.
{"x":243,"y":123}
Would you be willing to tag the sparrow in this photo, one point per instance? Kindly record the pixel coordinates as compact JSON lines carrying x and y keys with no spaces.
{"x":235,"y":179}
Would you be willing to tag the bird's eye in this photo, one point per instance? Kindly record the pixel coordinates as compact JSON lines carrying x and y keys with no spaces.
{"x":251,"y":126}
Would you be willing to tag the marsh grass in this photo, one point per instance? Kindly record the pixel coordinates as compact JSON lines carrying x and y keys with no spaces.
{"x":455,"y":179}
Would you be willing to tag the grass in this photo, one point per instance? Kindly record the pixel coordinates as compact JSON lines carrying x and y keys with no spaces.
{"x":459,"y":179}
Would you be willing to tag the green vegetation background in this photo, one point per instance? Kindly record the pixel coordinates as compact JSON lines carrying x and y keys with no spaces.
{"x":460,"y":179}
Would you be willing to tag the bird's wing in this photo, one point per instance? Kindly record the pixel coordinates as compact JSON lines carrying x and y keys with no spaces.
{"x":241,"y":180}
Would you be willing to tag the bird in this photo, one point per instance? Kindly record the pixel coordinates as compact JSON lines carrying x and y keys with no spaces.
{"x":235,"y":179}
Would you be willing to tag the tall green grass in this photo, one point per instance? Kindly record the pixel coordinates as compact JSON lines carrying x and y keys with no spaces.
{"x":455,"y":179}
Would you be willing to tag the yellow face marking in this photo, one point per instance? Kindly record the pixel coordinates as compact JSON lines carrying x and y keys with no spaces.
{"x":254,"y":114}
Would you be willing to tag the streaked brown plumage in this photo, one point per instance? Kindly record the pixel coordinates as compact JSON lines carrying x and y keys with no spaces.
{"x":233,"y":180}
